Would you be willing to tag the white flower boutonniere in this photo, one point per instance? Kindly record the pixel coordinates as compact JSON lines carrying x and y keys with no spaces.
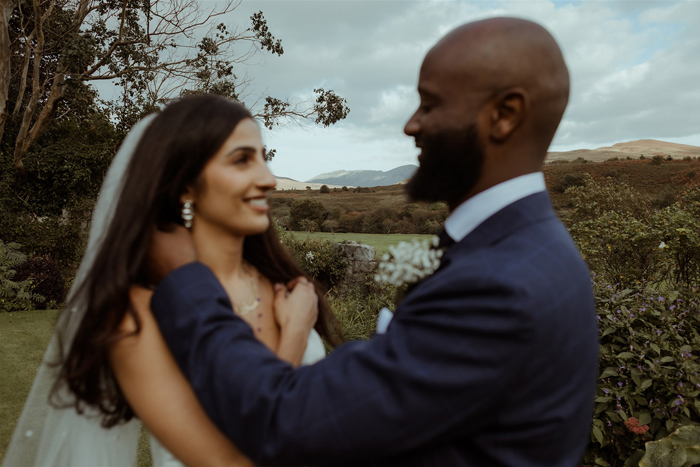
{"x":409,"y":263}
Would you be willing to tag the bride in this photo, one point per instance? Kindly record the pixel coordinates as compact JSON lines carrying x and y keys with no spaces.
{"x":201,"y":163}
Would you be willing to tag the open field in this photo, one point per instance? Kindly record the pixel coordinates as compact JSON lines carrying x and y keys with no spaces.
{"x":653,"y":181}
{"x":380,"y":242}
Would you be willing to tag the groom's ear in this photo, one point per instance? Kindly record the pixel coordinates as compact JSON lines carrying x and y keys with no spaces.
{"x":509,"y":111}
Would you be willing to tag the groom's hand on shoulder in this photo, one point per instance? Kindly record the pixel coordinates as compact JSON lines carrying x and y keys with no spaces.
{"x":170,"y":248}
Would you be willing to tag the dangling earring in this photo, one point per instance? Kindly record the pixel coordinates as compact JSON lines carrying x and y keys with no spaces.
{"x":187,"y":214}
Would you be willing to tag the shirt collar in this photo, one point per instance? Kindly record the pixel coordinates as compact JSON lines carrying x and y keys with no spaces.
{"x":471,"y":213}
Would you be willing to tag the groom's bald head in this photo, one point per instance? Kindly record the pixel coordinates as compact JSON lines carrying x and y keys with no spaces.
{"x":502,"y":85}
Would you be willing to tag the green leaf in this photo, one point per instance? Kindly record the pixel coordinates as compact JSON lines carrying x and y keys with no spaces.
{"x":693,"y":456}
{"x":598,"y":434}
{"x":636,"y":379}
{"x":655,"y":348}
{"x":625,"y":355}
{"x":623,"y":415}
{"x":640,"y":400}
{"x":646,"y":383}
{"x":662,"y":453}
{"x":686,"y":436}
{"x":610,"y":371}
{"x":644,"y":418}
{"x":633,"y":460}
{"x":603,"y":399}
{"x":601,"y":461}
{"x":666,"y":359}
{"x":670,"y":425}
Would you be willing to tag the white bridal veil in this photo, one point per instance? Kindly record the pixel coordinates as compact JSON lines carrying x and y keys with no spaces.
{"x":47,"y":436}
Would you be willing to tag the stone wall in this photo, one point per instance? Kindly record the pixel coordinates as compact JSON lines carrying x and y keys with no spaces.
{"x":360,"y":261}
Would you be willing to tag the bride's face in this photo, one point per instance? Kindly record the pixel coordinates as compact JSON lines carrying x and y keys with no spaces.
{"x":231,"y":191}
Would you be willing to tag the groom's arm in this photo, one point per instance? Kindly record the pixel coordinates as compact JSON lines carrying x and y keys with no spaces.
{"x":437,"y":366}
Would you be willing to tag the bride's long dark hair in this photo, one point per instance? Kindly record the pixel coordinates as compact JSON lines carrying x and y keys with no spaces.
{"x":169,"y":157}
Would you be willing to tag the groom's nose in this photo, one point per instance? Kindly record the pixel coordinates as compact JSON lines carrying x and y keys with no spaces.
{"x":412,"y":127}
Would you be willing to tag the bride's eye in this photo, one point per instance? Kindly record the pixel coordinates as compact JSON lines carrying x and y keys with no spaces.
{"x":242,"y":159}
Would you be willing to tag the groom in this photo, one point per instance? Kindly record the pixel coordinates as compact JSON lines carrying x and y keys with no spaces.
{"x":492,"y":360}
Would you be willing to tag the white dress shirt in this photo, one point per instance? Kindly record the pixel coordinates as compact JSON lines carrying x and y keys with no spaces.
{"x":471,"y":213}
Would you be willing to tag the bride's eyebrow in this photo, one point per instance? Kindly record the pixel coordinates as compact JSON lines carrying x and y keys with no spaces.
{"x":239,"y":148}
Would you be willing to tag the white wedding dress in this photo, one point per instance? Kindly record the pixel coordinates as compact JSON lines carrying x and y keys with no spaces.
{"x":315,"y":351}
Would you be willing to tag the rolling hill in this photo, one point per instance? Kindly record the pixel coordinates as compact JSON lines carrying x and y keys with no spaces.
{"x":365,"y":178}
{"x":646,"y":147}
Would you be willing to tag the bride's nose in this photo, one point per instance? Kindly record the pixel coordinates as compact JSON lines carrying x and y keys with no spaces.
{"x":265,"y":179}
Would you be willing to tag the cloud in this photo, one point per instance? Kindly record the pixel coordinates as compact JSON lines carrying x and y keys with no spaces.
{"x":633,"y":65}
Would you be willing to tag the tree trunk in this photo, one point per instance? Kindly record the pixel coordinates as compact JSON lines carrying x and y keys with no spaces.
{"x":27,"y":136}
{"x":6,"y":9}
{"x":23,"y":141}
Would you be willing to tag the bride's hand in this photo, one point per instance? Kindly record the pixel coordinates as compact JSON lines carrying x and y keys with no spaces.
{"x":296,"y":309}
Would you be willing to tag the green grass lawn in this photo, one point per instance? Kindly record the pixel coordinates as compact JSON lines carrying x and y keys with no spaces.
{"x":380,"y":242}
{"x":24,"y":337}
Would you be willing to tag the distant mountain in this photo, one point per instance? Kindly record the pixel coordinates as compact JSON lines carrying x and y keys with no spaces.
{"x":633,"y":149}
{"x":286,"y":183}
{"x":366,"y":178}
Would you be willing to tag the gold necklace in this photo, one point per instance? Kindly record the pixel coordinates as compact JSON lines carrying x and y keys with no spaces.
{"x":255,"y":298}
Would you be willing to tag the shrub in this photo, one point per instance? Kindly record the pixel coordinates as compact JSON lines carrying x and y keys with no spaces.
{"x":687,"y":158}
{"x":306,"y":209}
{"x":648,"y":370}
{"x":642,"y":157}
{"x":46,"y":279}
{"x":344,"y":188}
{"x":325,"y":189}
{"x":14,"y":295}
{"x":678,"y":229}
{"x":581,"y":160}
{"x":594,"y":198}
{"x":322,"y":259}
{"x":63,"y":240}
{"x":663,"y":199}
{"x":657,"y":160}
{"x":691,"y":174}
{"x":620,"y":248}
{"x":570,"y":180}
{"x":330,"y":226}
{"x":669,"y":157}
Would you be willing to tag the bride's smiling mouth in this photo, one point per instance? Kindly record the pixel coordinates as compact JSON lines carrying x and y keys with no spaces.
{"x":259,"y":204}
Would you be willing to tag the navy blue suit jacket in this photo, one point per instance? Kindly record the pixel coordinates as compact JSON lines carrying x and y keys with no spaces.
{"x":491,"y":361}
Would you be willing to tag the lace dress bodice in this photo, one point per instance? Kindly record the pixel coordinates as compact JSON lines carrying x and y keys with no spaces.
{"x":315,"y":351}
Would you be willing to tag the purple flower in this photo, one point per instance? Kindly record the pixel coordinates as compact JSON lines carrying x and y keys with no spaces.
{"x":606,"y":391}
{"x":619,"y":384}
{"x":661,"y":299}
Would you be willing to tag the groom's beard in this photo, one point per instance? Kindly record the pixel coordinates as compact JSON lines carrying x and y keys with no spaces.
{"x":450,"y":166}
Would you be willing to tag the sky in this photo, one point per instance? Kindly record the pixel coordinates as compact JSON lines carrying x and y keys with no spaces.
{"x":634,"y":65}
